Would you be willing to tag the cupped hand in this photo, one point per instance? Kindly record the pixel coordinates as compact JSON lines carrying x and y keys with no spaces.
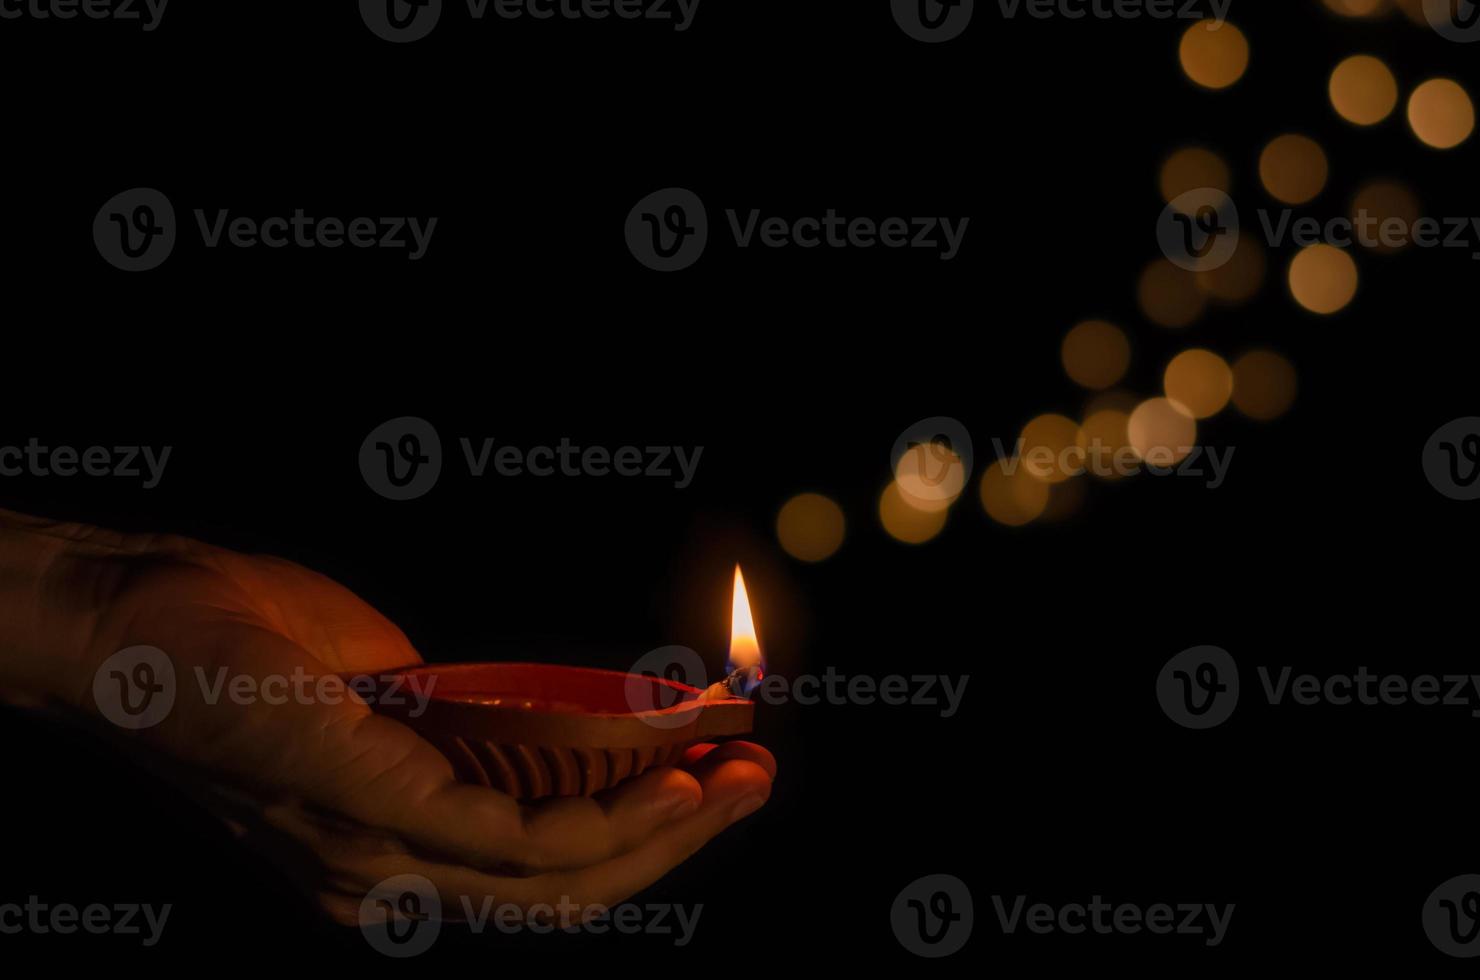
{"x":342,"y":797}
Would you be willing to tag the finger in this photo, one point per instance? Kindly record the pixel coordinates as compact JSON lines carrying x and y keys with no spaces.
{"x":732,"y":790}
{"x":330,"y":621}
{"x":488,"y":830}
{"x":749,"y":751}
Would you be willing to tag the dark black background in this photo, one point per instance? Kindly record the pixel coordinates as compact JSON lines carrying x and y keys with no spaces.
{"x":528,"y":322}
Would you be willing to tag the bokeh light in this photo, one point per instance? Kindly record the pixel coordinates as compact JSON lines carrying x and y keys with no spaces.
{"x":810,"y":527}
{"x":1105,"y":439}
{"x":1193,"y":168}
{"x":930,"y":476}
{"x":1096,"y":354}
{"x":1441,"y":113}
{"x":1386,"y":202}
{"x":1010,"y":496}
{"x":1050,"y":448}
{"x":1064,"y":501}
{"x":1264,"y":385}
{"x":907,"y":523}
{"x":1161,"y":431}
{"x":1293,"y":168}
{"x":1238,"y":279}
{"x":1323,"y":278}
{"x":1170,"y":296}
{"x":1363,"y":90}
{"x":1214,"y":54}
{"x":1200,"y":381}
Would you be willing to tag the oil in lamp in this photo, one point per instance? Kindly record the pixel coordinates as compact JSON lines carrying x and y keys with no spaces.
{"x":536,"y":730}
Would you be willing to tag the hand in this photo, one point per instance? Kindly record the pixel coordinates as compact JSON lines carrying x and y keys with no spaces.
{"x":350,"y":797}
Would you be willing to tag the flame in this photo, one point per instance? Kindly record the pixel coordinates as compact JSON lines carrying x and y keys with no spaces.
{"x":745,"y":647}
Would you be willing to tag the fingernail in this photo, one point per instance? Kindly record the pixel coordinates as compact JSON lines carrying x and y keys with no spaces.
{"x":746,"y":807}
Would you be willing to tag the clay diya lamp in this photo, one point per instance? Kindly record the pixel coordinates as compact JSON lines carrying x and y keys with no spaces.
{"x":535,"y":730}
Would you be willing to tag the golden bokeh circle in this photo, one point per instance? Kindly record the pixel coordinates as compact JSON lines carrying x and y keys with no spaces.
{"x":1169,"y":296}
{"x":810,"y":527}
{"x":930,"y":476}
{"x":1293,"y":168}
{"x":1363,"y":90}
{"x":1193,"y":168}
{"x":1105,"y":440}
{"x":1200,"y":381}
{"x":1386,"y":203}
{"x":1441,"y":114}
{"x":1214,"y":53}
{"x":1096,"y":354}
{"x":1049,"y":448}
{"x":1238,"y":279}
{"x":1010,"y":496}
{"x":1162,"y":432}
{"x":1323,"y":278}
{"x":1264,"y":385}
{"x":907,"y":523}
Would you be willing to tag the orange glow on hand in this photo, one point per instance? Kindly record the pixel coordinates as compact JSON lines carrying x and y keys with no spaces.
{"x":745,"y":647}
